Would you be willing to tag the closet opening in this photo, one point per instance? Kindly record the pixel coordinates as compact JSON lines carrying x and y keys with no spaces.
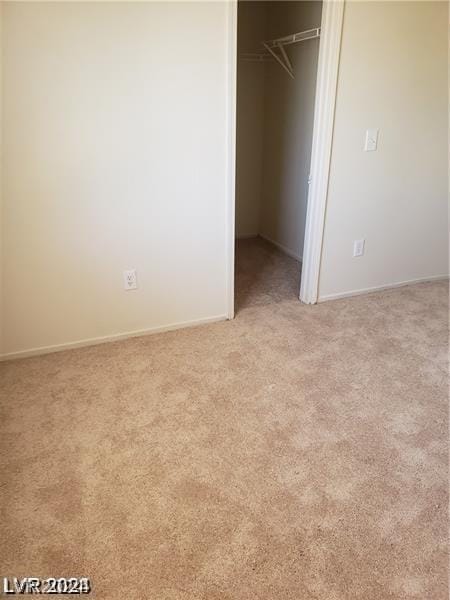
{"x":277,"y":60}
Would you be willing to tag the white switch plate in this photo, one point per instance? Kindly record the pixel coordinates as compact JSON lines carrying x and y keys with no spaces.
{"x":130,"y":279}
{"x":358,"y":247}
{"x":371,"y":140}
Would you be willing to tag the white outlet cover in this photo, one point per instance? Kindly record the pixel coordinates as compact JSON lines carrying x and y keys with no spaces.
{"x":371,"y":142}
{"x":358,"y":247}
{"x":130,"y":279}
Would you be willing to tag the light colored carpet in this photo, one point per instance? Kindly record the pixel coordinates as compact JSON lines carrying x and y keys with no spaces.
{"x":298,"y":452}
{"x":264,"y":275}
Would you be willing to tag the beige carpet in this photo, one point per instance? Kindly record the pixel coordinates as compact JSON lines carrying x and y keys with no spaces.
{"x":264,"y":275}
{"x":298,"y":452}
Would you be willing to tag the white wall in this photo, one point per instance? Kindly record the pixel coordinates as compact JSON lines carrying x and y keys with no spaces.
{"x":289,"y":115}
{"x":392,"y":76}
{"x":250,"y":119}
{"x":114,"y":157}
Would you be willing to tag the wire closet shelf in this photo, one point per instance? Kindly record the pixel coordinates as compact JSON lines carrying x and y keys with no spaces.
{"x":274,"y":49}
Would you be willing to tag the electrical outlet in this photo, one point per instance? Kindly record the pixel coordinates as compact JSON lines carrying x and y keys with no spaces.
{"x":130,"y":280}
{"x":358,"y":247}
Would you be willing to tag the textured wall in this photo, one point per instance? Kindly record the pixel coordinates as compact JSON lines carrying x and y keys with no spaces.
{"x":250,"y":119}
{"x":392,"y":76}
{"x":288,"y":125}
{"x":114,"y":138}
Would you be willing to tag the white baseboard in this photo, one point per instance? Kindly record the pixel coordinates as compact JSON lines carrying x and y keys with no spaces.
{"x":281,"y":247}
{"x":380,"y":288}
{"x":109,"y":338}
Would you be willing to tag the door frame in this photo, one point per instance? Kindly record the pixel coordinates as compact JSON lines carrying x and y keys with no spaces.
{"x":324,"y":111}
{"x":230,"y":183}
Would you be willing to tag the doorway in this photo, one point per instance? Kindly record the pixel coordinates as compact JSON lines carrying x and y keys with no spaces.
{"x":280,"y":145}
{"x":277,"y":50}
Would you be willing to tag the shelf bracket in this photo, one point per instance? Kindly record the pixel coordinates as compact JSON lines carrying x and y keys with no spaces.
{"x":286,"y":66}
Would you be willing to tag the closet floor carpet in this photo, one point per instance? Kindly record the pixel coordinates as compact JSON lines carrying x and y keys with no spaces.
{"x":297,"y":452}
{"x":264,"y":274}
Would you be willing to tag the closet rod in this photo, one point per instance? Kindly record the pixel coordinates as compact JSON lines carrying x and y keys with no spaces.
{"x":255,"y":56}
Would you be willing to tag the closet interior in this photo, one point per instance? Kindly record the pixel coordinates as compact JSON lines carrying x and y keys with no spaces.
{"x":278,"y":48}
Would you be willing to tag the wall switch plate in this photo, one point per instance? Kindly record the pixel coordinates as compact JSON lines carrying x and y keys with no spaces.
{"x":130,"y":279}
{"x":370,"y":145}
{"x":358,"y":247}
